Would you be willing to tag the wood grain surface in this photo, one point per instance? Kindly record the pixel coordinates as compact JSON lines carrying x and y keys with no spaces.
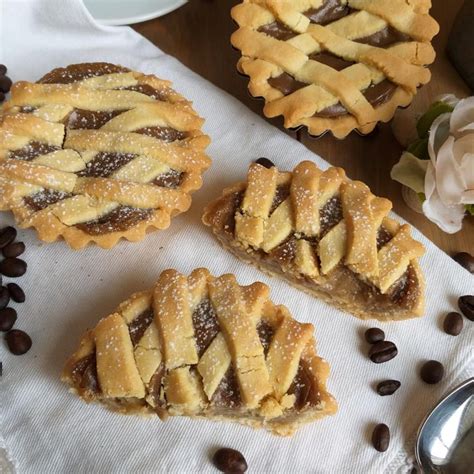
{"x":198,"y":35}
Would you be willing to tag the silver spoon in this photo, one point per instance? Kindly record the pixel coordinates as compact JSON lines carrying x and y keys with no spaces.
{"x":445,"y":441}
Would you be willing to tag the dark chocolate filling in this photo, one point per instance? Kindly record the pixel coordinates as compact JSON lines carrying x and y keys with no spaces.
{"x":206,"y":326}
{"x":42,"y":199}
{"x":331,"y":60}
{"x":278,"y":30}
{"x":154,"y":389}
{"x":84,"y":374}
{"x":171,"y":179}
{"x":167,"y":134}
{"x":329,"y":11}
{"x":303,"y":389}
{"x":227,"y":393}
{"x":78,"y":72}
{"x":90,"y":119}
{"x":330,"y":215}
{"x":149,"y":91}
{"x":265,"y":333}
{"x":139,"y":325}
{"x":32,"y":150}
{"x":383,"y":237}
{"x":282,"y":193}
{"x":286,"y":84}
{"x":384,"y":38}
{"x":104,"y":164}
{"x":118,"y":220}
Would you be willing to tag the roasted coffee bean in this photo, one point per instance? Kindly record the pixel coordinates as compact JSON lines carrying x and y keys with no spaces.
{"x":16,"y":293}
{"x":18,"y":341}
{"x":265,"y":162}
{"x":382,"y":351}
{"x":388,"y":387}
{"x":453,"y":324}
{"x":13,"y":249}
{"x":374,"y":335}
{"x":4,"y":297}
{"x":229,"y":461}
{"x":3,"y":69}
{"x":381,"y":437}
{"x":13,"y":267}
{"x":466,"y":260}
{"x":7,"y":235}
{"x":466,"y":305}
{"x":2,"y":96}
{"x":432,"y":372}
{"x":7,"y":319}
{"x":5,"y":84}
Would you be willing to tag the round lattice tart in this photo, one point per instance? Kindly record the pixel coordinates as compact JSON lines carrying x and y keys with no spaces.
{"x":325,"y":234}
{"x":96,"y":152}
{"x":334,"y":65}
{"x":203,"y":346}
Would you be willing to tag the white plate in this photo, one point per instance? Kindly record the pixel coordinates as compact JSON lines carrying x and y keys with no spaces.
{"x":126,"y":12}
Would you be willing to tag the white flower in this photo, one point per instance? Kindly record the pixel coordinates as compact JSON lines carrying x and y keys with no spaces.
{"x":449,"y":180}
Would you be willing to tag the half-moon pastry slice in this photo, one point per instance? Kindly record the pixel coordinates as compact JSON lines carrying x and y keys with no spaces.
{"x":203,"y":346}
{"x":325,"y":234}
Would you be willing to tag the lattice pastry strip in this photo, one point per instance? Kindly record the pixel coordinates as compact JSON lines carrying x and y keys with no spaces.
{"x":325,"y":233}
{"x":334,"y":64}
{"x":204,"y":346}
{"x":96,"y":152}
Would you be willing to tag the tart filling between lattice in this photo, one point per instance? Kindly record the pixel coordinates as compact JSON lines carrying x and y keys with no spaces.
{"x":334,"y":65}
{"x":202,"y":346}
{"x":96,"y":152}
{"x":325,"y":234}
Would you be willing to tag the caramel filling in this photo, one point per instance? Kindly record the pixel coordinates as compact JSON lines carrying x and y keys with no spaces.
{"x":303,"y":388}
{"x":227,"y":394}
{"x":90,"y":119}
{"x":206,"y":325}
{"x":118,"y":220}
{"x":84,"y":374}
{"x":166,"y":134}
{"x":330,"y":215}
{"x":172,"y":179}
{"x":42,"y":199}
{"x":139,"y":325}
{"x":265,"y":333}
{"x":282,"y":193}
{"x":78,"y":72}
{"x":32,"y":150}
{"x":149,"y":91}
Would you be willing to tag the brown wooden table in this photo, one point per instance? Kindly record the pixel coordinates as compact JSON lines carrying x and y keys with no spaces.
{"x":198,"y":35}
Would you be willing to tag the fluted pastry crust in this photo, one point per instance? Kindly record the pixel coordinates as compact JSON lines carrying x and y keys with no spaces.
{"x":331,"y":53}
{"x":96,"y":152}
{"x":326,"y":234}
{"x":203,"y":346}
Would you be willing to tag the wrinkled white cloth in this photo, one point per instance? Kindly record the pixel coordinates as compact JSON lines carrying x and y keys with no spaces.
{"x":44,"y":428}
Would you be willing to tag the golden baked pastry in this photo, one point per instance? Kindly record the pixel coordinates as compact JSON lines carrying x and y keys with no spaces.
{"x":334,"y":65}
{"x":325,"y":234}
{"x":96,"y":152}
{"x":203,"y":346}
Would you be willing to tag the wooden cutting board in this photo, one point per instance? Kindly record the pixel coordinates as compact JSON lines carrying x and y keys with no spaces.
{"x":198,"y":35}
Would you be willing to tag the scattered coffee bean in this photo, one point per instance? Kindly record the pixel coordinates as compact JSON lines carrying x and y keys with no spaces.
{"x":13,"y":249}
{"x":7,"y":235}
{"x":466,"y":260}
{"x":265,"y":162}
{"x":383,"y":351}
{"x":5,"y":84}
{"x":4,"y":297}
{"x":388,"y":387}
{"x":13,"y":267}
{"x":2,"y":96}
{"x":3,"y":69}
{"x":374,"y":335}
{"x":229,"y":461}
{"x":453,"y":324}
{"x":432,"y":372}
{"x":381,"y":437}
{"x":466,"y":305}
{"x":18,"y":341}
{"x":7,"y":319}
{"x":16,"y":293}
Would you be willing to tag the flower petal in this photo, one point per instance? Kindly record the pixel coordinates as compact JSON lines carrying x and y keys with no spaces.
{"x":447,"y":218}
{"x":410,"y":171}
{"x":464,"y":155}
{"x":462,"y":118}
{"x":449,"y":99}
{"x":468,"y":197}
{"x":439,"y":132}
{"x":449,"y":180}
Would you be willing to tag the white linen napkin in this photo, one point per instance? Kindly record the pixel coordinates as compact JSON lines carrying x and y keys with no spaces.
{"x":44,"y":428}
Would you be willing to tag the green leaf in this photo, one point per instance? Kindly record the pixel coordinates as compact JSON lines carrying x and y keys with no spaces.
{"x":426,"y":120}
{"x":419,"y":148}
{"x":470,"y":208}
{"x":410,"y":171}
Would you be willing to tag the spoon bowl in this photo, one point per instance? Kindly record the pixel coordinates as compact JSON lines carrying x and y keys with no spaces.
{"x":445,"y":441}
